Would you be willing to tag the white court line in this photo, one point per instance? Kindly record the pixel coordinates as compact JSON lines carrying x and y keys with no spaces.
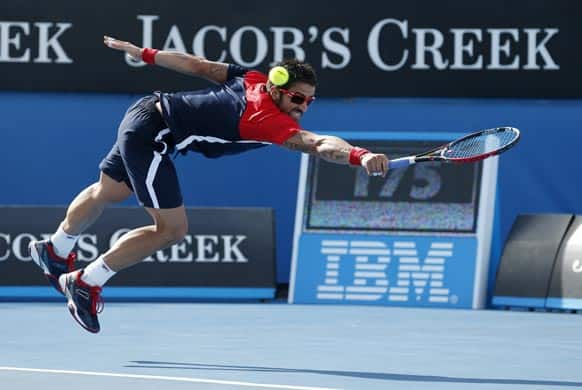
{"x":164,"y":378}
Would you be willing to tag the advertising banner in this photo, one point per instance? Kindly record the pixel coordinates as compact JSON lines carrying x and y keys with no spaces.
{"x":421,"y":236}
{"x":222,"y":250}
{"x":418,"y":48}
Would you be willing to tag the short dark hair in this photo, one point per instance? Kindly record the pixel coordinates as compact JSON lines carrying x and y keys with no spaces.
{"x":298,"y":72}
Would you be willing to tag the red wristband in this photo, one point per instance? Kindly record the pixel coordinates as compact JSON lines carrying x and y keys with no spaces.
{"x":149,"y":55}
{"x":356,"y":155}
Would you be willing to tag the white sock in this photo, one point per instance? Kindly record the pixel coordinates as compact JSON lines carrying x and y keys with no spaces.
{"x":63,"y":243}
{"x":97,"y":273}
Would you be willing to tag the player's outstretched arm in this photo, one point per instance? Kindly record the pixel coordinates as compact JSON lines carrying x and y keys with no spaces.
{"x":180,"y":62}
{"x":337,"y":150}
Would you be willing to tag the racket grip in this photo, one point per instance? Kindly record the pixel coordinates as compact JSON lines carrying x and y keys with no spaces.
{"x":400,"y":162}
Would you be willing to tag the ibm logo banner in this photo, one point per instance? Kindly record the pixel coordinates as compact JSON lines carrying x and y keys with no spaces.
{"x":386,"y":270}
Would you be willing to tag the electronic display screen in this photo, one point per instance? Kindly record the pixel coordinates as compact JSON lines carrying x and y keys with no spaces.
{"x":425,"y":197}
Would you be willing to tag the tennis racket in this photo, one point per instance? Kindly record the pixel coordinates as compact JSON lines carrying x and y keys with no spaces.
{"x":470,"y":148}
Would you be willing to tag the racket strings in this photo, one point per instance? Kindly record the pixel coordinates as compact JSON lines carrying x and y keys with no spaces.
{"x":480,"y":144}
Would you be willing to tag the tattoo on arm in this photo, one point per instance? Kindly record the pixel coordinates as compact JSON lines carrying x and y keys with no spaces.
{"x":217,"y":69}
{"x":339,"y":155}
{"x":216,"y":72}
{"x":302,"y":144}
{"x":329,"y":148}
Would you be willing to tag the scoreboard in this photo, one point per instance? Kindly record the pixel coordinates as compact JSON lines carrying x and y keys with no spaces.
{"x":418,"y":237}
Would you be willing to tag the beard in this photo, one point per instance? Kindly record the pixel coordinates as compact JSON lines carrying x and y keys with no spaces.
{"x":296,"y":114}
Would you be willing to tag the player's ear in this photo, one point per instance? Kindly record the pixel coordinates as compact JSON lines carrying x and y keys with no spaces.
{"x":273,"y":91}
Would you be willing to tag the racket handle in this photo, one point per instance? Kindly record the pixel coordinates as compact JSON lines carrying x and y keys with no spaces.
{"x":400,"y":162}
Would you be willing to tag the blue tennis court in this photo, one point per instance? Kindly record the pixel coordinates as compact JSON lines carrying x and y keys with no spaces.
{"x":281,"y":346}
{"x":307,"y":264}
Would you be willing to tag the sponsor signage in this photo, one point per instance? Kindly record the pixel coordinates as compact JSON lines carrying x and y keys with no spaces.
{"x":418,"y":237}
{"x":221,"y":250}
{"x":386,"y":270}
{"x":414,"y":48}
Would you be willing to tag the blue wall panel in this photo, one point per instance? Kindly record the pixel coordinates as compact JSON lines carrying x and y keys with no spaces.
{"x":52,"y":144}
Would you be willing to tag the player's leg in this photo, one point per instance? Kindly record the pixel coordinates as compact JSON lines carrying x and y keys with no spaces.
{"x":55,"y":256}
{"x":83,"y":287}
{"x":90,"y":203}
{"x":170,"y":226}
{"x":154,"y":180}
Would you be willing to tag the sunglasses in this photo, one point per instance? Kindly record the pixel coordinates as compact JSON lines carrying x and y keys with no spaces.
{"x":297,"y":98}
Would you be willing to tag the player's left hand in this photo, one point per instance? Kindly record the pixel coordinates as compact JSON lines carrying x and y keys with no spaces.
{"x":132,"y":50}
{"x":375,"y":164}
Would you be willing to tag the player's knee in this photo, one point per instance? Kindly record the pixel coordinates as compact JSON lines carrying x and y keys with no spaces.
{"x":176,"y":231}
{"x":171,"y":224}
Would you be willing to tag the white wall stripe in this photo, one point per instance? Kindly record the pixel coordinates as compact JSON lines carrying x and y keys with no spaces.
{"x":367,"y":244}
{"x":436,"y":268}
{"x":442,"y":245}
{"x":439,"y":291}
{"x":438,"y":299}
{"x":298,"y":223}
{"x":334,"y":243}
{"x":405,"y":252}
{"x":354,"y":251}
{"x":356,"y":289}
{"x":398,"y":298}
{"x":330,"y":288}
{"x":433,"y":253}
{"x":374,"y":267}
{"x":404,"y":244}
{"x":363,"y":297}
{"x":434,"y":260}
{"x":420,"y":275}
{"x":329,"y":296}
{"x":333,"y":251}
{"x":362,"y":274}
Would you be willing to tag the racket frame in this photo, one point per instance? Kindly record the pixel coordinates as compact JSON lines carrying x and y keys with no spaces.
{"x":438,"y":153}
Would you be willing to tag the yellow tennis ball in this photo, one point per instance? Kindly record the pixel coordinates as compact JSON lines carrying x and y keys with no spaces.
{"x":278,"y":75}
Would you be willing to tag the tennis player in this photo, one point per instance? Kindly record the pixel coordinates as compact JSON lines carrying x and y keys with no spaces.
{"x":242,"y":111}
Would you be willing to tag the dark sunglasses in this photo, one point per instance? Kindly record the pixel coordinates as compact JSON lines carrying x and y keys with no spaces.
{"x":297,"y":98}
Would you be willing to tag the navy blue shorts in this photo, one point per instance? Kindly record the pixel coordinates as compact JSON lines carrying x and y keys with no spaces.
{"x":140,"y":159}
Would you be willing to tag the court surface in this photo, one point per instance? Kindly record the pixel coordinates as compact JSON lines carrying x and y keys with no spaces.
{"x":279,"y":346}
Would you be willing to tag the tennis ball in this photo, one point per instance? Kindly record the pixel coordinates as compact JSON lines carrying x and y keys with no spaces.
{"x":278,"y":75}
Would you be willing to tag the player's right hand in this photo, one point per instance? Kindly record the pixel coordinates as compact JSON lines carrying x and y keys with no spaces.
{"x":375,"y":164}
{"x":132,"y":51}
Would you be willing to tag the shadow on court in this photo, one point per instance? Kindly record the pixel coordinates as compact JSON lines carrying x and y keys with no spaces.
{"x":353,"y":374}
